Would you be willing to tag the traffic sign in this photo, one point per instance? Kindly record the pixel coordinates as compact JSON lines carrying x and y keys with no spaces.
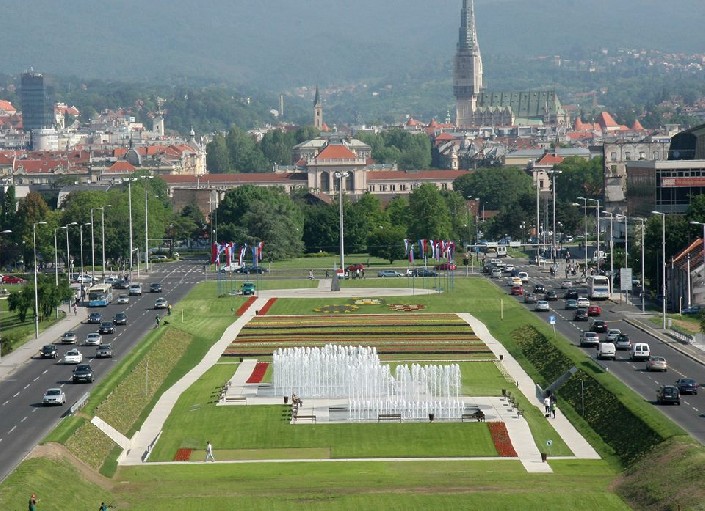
{"x":552,"y":320}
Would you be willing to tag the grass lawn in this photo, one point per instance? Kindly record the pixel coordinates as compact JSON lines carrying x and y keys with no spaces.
{"x":15,"y":332}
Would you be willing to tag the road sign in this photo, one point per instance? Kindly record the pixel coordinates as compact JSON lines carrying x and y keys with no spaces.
{"x":552,"y":320}
{"x":625,"y":279}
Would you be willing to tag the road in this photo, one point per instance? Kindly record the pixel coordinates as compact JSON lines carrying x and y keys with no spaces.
{"x":690,"y":415}
{"x":24,"y":421}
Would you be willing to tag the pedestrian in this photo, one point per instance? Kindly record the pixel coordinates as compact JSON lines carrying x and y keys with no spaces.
{"x":75,"y":310}
{"x":553,"y":408}
{"x":209,"y":451}
{"x":32,"y":506}
{"x":327,"y":273}
{"x":310,"y":275}
{"x":104,"y":507}
{"x":547,"y":405}
{"x":168,"y":309}
{"x":158,"y":319}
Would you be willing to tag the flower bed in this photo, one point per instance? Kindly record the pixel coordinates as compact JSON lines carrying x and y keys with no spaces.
{"x":367,"y":301}
{"x":243,"y":308}
{"x":258,"y":372}
{"x":337,"y":309}
{"x":266,"y":307}
{"x":406,"y":307}
{"x":501,"y":439}
{"x":183,"y":455}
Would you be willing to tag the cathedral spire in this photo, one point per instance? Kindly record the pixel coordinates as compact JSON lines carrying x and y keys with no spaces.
{"x":467,"y":72}
{"x":317,"y":111}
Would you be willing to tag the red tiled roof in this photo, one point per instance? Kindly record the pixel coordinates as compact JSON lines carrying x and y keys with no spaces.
{"x":550,"y":159}
{"x":421,"y":175}
{"x":234,"y":179}
{"x":45,"y":166}
{"x":412,"y":122}
{"x":119,"y":152}
{"x":637,"y":126}
{"x":7,"y":107}
{"x":336,"y":152}
{"x":445,"y":136}
{"x":121,"y":166}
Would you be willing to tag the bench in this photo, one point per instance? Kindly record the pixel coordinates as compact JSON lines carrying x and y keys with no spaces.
{"x":520,"y":412}
{"x":236,"y":399}
{"x":297,"y":418}
{"x":389,"y":417}
{"x":478,"y":415}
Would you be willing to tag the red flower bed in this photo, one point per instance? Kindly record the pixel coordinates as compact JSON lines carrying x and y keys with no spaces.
{"x":183,"y":455}
{"x":258,"y":372}
{"x":501,"y":439}
{"x":243,"y":308}
{"x":267,"y":306}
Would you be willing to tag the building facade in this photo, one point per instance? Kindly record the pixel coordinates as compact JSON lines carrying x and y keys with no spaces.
{"x":37,"y":107}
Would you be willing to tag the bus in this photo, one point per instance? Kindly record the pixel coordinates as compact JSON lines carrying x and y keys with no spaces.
{"x":100,"y":295}
{"x":598,"y":287}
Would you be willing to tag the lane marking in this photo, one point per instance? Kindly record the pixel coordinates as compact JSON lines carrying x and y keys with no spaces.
{"x":23,"y":419}
{"x":16,"y":394}
{"x":12,"y":429}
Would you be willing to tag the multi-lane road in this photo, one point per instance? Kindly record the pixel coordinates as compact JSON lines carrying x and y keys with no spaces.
{"x":23,"y":419}
{"x":690,"y":415}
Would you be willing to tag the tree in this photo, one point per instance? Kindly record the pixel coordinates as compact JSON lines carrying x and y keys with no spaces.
{"x":244,"y":153}
{"x":579,"y":178}
{"x":397,"y":212}
{"x":428,"y":214}
{"x":387,"y":242}
{"x":21,"y":302}
{"x":217,"y":155}
{"x":321,"y":228}
{"x":497,"y":187}
{"x":9,"y":208}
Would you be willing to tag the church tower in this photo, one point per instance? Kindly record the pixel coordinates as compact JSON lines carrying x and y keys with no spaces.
{"x":467,"y":71}
{"x":318,"y":111}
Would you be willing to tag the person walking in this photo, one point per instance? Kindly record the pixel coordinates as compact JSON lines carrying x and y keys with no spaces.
{"x":158,"y":320}
{"x":547,"y":405}
{"x":168,"y":309}
{"x":32,"y":506}
{"x":209,"y":451}
{"x":553,"y":408}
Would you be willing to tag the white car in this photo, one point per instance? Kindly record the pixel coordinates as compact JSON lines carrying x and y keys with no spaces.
{"x":73,"y":357}
{"x":135,"y":289}
{"x":93,"y":339}
{"x":123,"y":299}
{"x":523,"y":276}
{"x":508,"y":267}
{"x":583,"y":302}
{"x":542,"y":306}
{"x":54,"y":396}
{"x":567,"y":284}
{"x":613,"y":334}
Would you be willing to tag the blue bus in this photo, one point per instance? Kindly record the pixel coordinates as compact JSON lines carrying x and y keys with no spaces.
{"x":100,"y":295}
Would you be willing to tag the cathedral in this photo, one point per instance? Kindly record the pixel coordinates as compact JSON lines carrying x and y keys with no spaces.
{"x":476,"y":107}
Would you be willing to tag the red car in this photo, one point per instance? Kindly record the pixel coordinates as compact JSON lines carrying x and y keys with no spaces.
{"x":517,"y":291}
{"x":12,"y":279}
{"x":594,"y":310}
{"x":356,"y":266}
{"x":445,"y":266}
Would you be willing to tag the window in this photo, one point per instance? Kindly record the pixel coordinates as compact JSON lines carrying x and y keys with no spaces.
{"x":656,"y":155}
{"x":444,"y":186}
{"x":613,"y":156}
{"x":628,"y":155}
{"x":642,"y":155}
{"x":393,"y":188}
{"x":371,"y":188}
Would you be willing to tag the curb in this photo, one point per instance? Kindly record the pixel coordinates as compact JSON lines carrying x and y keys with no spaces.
{"x":665,"y":339}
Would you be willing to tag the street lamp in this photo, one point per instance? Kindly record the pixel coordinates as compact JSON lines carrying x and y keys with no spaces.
{"x":68,"y":253}
{"x":643,"y":237}
{"x":129,"y":213}
{"x":663,"y":265}
{"x":586,"y":230}
{"x":611,"y":251}
{"x":102,"y":233}
{"x":81,"y":239}
{"x":554,"y":250}
{"x":626,"y":240}
{"x":340,"y":176}
{"x":36,"y":295}
{"x":92,"y":249}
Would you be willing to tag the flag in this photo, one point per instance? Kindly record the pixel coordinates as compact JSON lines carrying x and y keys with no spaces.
{"x":422,"y":248}
{"x":411,"y":254}
{"x":214,"y":252}
{"x":254,"y":255}
{"x":260,"y":247}
{"x":432,"y":247}
{"x":406,"y":246}
{"x":241,"y":259}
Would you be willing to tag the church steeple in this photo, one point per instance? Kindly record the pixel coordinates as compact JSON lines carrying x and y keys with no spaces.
{"x":467,"y":72}
{"x":317,"y":111}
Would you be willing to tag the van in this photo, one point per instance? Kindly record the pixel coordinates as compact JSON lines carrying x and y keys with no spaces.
{"x":640,"y":351}
{"x":501,"y":251}
{"x":606,"y":350}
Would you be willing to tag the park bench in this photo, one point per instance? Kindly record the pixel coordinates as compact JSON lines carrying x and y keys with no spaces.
{"x":236,"y":399}
{"x":477,"y":415}
{"x":389,"y":417}
{"x":298,"y":417}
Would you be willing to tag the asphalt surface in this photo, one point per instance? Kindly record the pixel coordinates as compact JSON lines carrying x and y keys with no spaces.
{"x":683,"y":361}
{"x":24,"y":421}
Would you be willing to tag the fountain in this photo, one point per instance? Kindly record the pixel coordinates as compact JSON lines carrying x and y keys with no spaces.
{"x":356,"y":374}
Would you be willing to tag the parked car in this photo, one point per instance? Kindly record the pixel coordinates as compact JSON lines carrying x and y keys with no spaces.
{"x":580,"y":315}
{"x":623,"y":342}
{"x":123,"y":299}
{"x":571,"y":304}
{"x":687,"y":386}
{"x":48,"y":351}
{"x":655,"y":363}
{"x":551,"y":295}
{"x":613,"y":334}
{"x":668,"y":394}
{"x":106,"y":327}
{"x":542,"y":306}
{"x":82,"y":373}
{"x":388,"y":273}
{"x":599,"y":326}
{"x":161,"y":303}
{"x":355,"y":266}
{"x":95,"y":318}
{"x":104,"y":351}
{"x":73,"y":356}
{"x":54,"y":396}
{"x":424,"y":272}
{"x":445,"y":266}
{"x":529,"y":298}
{"x":69,"y":338}
{"x":588,"y":338}
{"x":517,"y":291}
{"x":93,"y":339}
{"x":120,"y":319}
{"x":12,"y":279}
{"x":693,"y":310}
{"x":155,"y":287}
{"x":228,"y":268}
{"x":594,"y":310}
{"x":252,"y":269}
{"x":135,"y":290}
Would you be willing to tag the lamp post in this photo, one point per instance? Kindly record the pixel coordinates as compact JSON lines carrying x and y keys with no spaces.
{"x":626,"y":240}
{"x":36,"y":294}
{"x":68,"y":253}
{"x":81,"y":240}
{"x":584,"y":199}
{"x":129,"y":214}
{"x":56,"y":265}
{"x":663,"y":265}
{"x":643,"y":237}
{"x":597,"y":218}
{"x":92,"y":249}
{"x":102,"y":234}
{"x":341,"y":176}
{"x":6,"y":231}
{"x":611,"y":251}
{"x":554,"y":250}
{"x":146,"y":225}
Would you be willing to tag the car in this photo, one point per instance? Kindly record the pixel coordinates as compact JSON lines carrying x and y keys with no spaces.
{"x":252,"y":269}
{"x":93,"y":339}
{"x":48,"y":351}
{"x":423,"y":272}
{"x":693,"y":310}
{"x":571,"y":295}
{"x":121,"y":284}
{"x":623,"y":342}
{"x":539,"y":289}
{"x":73,"y":356}
{"x":668,"y":394}
{"x":687,"y":386}
{"x":551,"y":295}
{"x":517,"y":291}
{"x":12,"y":279}
{"x":69,"y":338}
{"x":445,"y":266}
{"x":229,"y":268}
{"x":529,"y":298}
{"x":613,"y":334}
{"x":571,"y":304}
{"x":515,"y":281}
{"x":496,"y":273}
{"x":566,"y":284}
{"x":355,"y":267}
{"x":120,"y":319}
{"x":606,"y":350}
{"x":95,"y":318}
{"x":104,"y":351}
{"x":388,"y":273}
{"x":135,"y":290}
{"x":599,"y":326}
{"x":247,"y":288}
{"x":640,"y":351}
{"x":54,"y":396}
{"x":83,"y":279}
{"x":155,"y":287}
{"x":580,"y":315}
{"x":542,"y":306}
{"x":106,"y":327}
{"x":588,"y":338}
{"x":161,"y":303}
{"x":158,"y":258}
{"x":82,"y":373}
{"x":655,"y":363}
{"x":509,"y":267}
{"x":583,"y":302}
{"x":523,"y":276}
{"x":594,"y":310}
{"x":122,"y":299}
